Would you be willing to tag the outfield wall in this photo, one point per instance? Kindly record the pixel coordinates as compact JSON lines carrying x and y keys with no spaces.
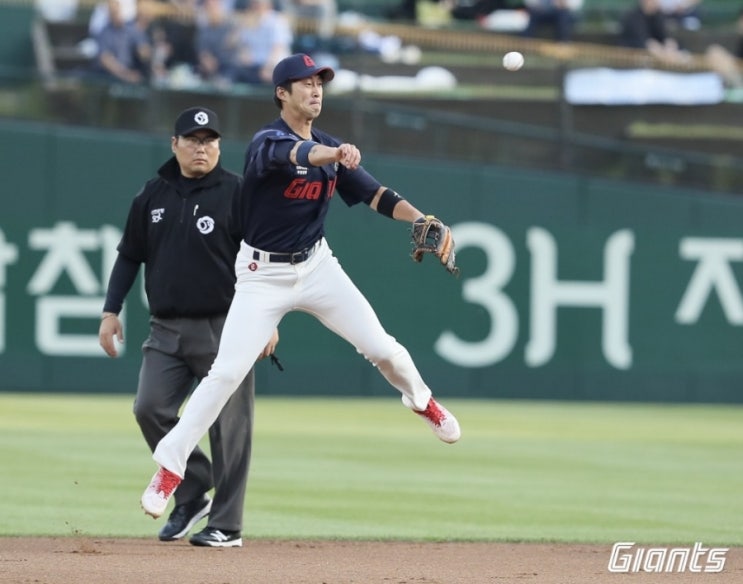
{"x":571,"y":288}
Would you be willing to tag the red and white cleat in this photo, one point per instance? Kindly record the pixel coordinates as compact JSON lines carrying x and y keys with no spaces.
{"x":157,"y":494}
{"x":442,"y":421}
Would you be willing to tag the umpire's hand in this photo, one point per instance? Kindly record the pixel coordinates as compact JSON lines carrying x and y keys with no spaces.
{"x":110,"y":328}
{"x":270,"y":347}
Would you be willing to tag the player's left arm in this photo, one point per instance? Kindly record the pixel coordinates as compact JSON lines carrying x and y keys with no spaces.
{"x":428,"y":233}
{"x":391,"y":204}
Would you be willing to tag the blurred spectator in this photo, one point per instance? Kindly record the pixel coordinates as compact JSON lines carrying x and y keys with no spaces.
{"x":123,"y":48}
{"x":644,"y":27}
{"x":99,"y":18}
{"x":322,"y":12}
{"x":405,"y":10}
{"x":559,"y":14}
{"x":474,"y":9}
{"x":264,"y":38}
{"x":231,"y":6}
{"x":682,"y":12}
{"x":146,"y":21}
{"x":726,"y":62}
{"x":174,"y":28}
{"x":215,"y":41}
{"x":458,"y":9}
{"x":57,"y":10}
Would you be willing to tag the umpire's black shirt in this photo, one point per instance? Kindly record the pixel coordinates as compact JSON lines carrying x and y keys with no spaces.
{"x":183,"y":231}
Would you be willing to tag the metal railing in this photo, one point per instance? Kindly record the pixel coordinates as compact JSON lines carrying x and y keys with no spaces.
{"x":396,"y":129}
{"x":387,"y":127}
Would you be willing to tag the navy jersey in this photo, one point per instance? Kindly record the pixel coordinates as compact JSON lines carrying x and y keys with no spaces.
{"x":284,"y":205}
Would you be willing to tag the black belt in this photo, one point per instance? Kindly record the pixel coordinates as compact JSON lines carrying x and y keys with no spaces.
{"x":296,"y":257}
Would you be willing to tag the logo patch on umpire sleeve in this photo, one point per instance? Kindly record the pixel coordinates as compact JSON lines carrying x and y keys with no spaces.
{"x":205,"y":224}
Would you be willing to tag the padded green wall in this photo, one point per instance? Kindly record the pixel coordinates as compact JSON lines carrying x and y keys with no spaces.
{"x":571,"y":288}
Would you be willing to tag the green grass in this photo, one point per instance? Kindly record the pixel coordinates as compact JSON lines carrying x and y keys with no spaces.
{"x":368,"y":469}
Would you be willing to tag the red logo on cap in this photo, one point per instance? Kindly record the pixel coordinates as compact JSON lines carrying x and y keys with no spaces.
{"x":308,"y":61}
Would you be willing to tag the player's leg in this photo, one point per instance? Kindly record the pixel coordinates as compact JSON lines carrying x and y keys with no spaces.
{"x":246,"y":332}
{"x":261,"y":296}
{"x":230,"y":439}
{"x":331,"y":296}
{"x":231,"y":442}
{"x":334,"y":299}
{"x":165,"y":380}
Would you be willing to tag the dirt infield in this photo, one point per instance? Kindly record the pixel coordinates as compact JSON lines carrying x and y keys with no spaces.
{"x":134,"y":561}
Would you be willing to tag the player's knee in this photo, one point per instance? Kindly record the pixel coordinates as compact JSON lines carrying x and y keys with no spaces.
{"x":226,"y":377}
{"x":393,"y":358}
{"x":384,"y":351}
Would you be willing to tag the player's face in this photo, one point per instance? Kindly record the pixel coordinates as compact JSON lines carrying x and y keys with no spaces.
{"x":197,"y":154}
{"x":305,"y":99}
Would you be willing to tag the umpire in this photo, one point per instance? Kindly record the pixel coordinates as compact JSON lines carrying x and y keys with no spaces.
{"x":180,"y":226}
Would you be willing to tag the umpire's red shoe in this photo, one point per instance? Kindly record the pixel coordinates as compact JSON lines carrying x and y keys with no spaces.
{"x":442,"y":421}
{"x":157,"y":494}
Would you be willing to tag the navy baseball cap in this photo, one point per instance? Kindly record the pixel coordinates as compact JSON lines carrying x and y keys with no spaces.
{"x":299,"y":66}
{"x":194,"y":119}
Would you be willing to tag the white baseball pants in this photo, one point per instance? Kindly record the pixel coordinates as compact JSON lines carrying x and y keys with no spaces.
{"x":264,"y":293}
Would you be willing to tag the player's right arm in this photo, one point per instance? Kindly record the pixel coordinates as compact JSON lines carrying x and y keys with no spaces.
{"x":309,"y":153}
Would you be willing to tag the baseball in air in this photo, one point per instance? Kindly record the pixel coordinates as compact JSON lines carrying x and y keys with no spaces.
{"x":513,"y":61}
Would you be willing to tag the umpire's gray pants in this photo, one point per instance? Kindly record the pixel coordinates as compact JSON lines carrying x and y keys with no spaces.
{"x":178,"y":353}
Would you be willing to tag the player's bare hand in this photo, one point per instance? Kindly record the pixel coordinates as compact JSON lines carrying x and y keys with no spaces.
{"x":349,"y":156}
{"x":271,"y":346}
{"x":109,"y":329}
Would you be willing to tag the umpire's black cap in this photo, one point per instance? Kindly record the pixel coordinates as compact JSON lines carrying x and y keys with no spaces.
{"x":194,"y":119}
{"x":299,"y":66}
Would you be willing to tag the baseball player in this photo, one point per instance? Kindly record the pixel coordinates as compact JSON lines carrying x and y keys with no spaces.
{"x":292,"y":171}
{"x":181,"y":226}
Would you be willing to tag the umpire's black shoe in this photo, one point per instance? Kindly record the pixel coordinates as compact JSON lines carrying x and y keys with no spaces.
{"x":211,"y":537}
{"x":184,"y":517}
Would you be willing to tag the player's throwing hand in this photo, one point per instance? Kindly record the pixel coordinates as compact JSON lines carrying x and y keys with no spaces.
{"x":349,"y":156}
